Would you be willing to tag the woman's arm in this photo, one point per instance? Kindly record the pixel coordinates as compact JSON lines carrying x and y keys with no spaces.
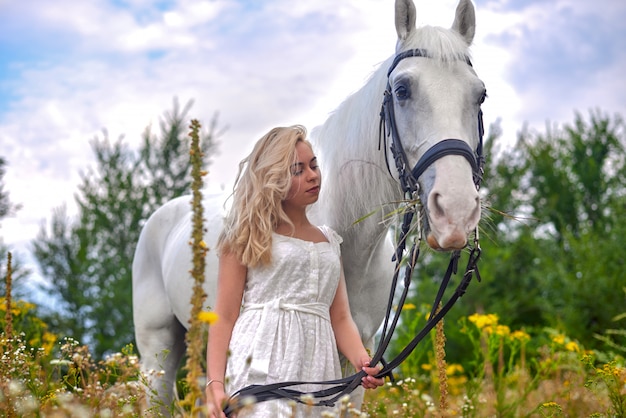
{"x":348,"y":337}
{"x":230,"y":286}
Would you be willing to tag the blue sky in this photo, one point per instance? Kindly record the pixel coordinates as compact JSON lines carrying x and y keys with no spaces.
{"x":70,"y":69}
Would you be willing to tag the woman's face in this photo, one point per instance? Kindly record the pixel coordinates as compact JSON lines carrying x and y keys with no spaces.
{"x":306,"y":179}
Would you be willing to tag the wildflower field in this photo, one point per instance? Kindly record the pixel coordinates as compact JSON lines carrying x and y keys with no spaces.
{"x":508,"y":373}
{"x":42,"y":375}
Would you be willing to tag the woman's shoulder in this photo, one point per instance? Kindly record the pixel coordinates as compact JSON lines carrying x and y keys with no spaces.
{"x":331,"y":234}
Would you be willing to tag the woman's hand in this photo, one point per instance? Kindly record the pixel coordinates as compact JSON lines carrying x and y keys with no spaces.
{"x":216,"y":398}
{"x":369,"y":381}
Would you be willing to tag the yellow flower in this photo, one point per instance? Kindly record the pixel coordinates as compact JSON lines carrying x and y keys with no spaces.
{"x":409,"y":306}
{"x":454,"y":368}
{"x":203,"y":245}
{"x":456,"y":384}
{"x":502,"y":330}
{"x":559,"y":339}
{"x":552,"y":405}
{"x":208,"y":316}
{"x":610,"y":369}
{"x":427,"y":367}
{"x":572,"y":346}
{"x":481,"y":321}
{"x":520,"y":336}
{"x":48,"y":341}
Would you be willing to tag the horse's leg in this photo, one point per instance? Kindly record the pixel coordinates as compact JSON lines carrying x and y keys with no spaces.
{"x":161,"y":353}
{"x":159,"y":335}
{"x":161,"y":347}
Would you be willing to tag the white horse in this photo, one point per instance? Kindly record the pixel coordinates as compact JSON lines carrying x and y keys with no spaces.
{"x":435,"y":96}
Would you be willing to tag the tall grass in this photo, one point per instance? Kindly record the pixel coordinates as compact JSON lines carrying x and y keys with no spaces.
{"x":560,"y":379}
{"x":196,"y":335}
{"x":43,"y":377}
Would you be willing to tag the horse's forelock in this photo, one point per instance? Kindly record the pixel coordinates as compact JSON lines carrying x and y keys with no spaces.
{"x":444,"y":45}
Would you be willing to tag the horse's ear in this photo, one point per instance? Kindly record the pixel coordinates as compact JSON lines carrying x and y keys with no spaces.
{"x":405,"y":18}
{"x":464,"y":20}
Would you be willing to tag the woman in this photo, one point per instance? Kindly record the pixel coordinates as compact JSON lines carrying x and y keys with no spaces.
{"x":281,"y":301}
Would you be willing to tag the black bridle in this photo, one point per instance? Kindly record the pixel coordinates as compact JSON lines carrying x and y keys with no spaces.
{"x":388,"y":127}
{"x":410,"y":187}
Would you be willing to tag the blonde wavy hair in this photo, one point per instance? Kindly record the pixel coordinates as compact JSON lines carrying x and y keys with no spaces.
{"x":262,"y":183}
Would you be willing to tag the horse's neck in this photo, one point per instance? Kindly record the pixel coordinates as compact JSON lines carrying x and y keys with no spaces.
{"x":356,"y":183}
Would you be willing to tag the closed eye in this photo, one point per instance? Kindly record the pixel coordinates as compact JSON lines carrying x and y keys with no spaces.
{"x":298,"y":168}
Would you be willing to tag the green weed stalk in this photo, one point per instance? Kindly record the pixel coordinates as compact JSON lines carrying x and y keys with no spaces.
{"x":8,"y":316}
{"x":440,"y":356}
{"x":7,"y":340}
{"x":193,"y":400}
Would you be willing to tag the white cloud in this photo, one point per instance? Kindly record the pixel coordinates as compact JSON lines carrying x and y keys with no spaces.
{"x":279,"y":62}
{"x":552,"y":58}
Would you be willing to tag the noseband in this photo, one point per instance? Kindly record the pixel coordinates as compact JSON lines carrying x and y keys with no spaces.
{"x":388,"y":127}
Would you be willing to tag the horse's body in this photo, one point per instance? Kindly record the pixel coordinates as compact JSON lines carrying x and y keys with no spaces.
{"x":434,"y":98}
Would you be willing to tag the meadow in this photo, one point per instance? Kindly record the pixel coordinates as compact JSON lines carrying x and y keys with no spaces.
{"x":43,"y":375}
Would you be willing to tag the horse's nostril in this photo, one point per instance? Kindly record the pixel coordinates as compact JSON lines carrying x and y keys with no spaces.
{"x":437,"y":207}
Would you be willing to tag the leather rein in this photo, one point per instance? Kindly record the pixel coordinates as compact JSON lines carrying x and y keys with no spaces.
{"x":408,"y":181}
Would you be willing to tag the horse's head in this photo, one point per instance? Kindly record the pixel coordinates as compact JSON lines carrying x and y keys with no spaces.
{"x":434,"y":95}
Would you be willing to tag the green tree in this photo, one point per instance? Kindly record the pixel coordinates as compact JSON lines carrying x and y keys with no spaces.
{"x":8,"y":208}
{"x":5,"y":207}
{"x":88,"y":260}
{"x":557,"y":261}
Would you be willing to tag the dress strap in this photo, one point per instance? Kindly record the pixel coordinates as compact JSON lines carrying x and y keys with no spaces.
{"x":332,"y":236}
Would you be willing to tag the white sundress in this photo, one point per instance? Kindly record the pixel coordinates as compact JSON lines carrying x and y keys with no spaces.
{"x":283,"y":332}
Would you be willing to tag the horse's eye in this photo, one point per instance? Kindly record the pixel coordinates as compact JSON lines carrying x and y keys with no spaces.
{"x":402,"y":92}
{"x":482,"y":97}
